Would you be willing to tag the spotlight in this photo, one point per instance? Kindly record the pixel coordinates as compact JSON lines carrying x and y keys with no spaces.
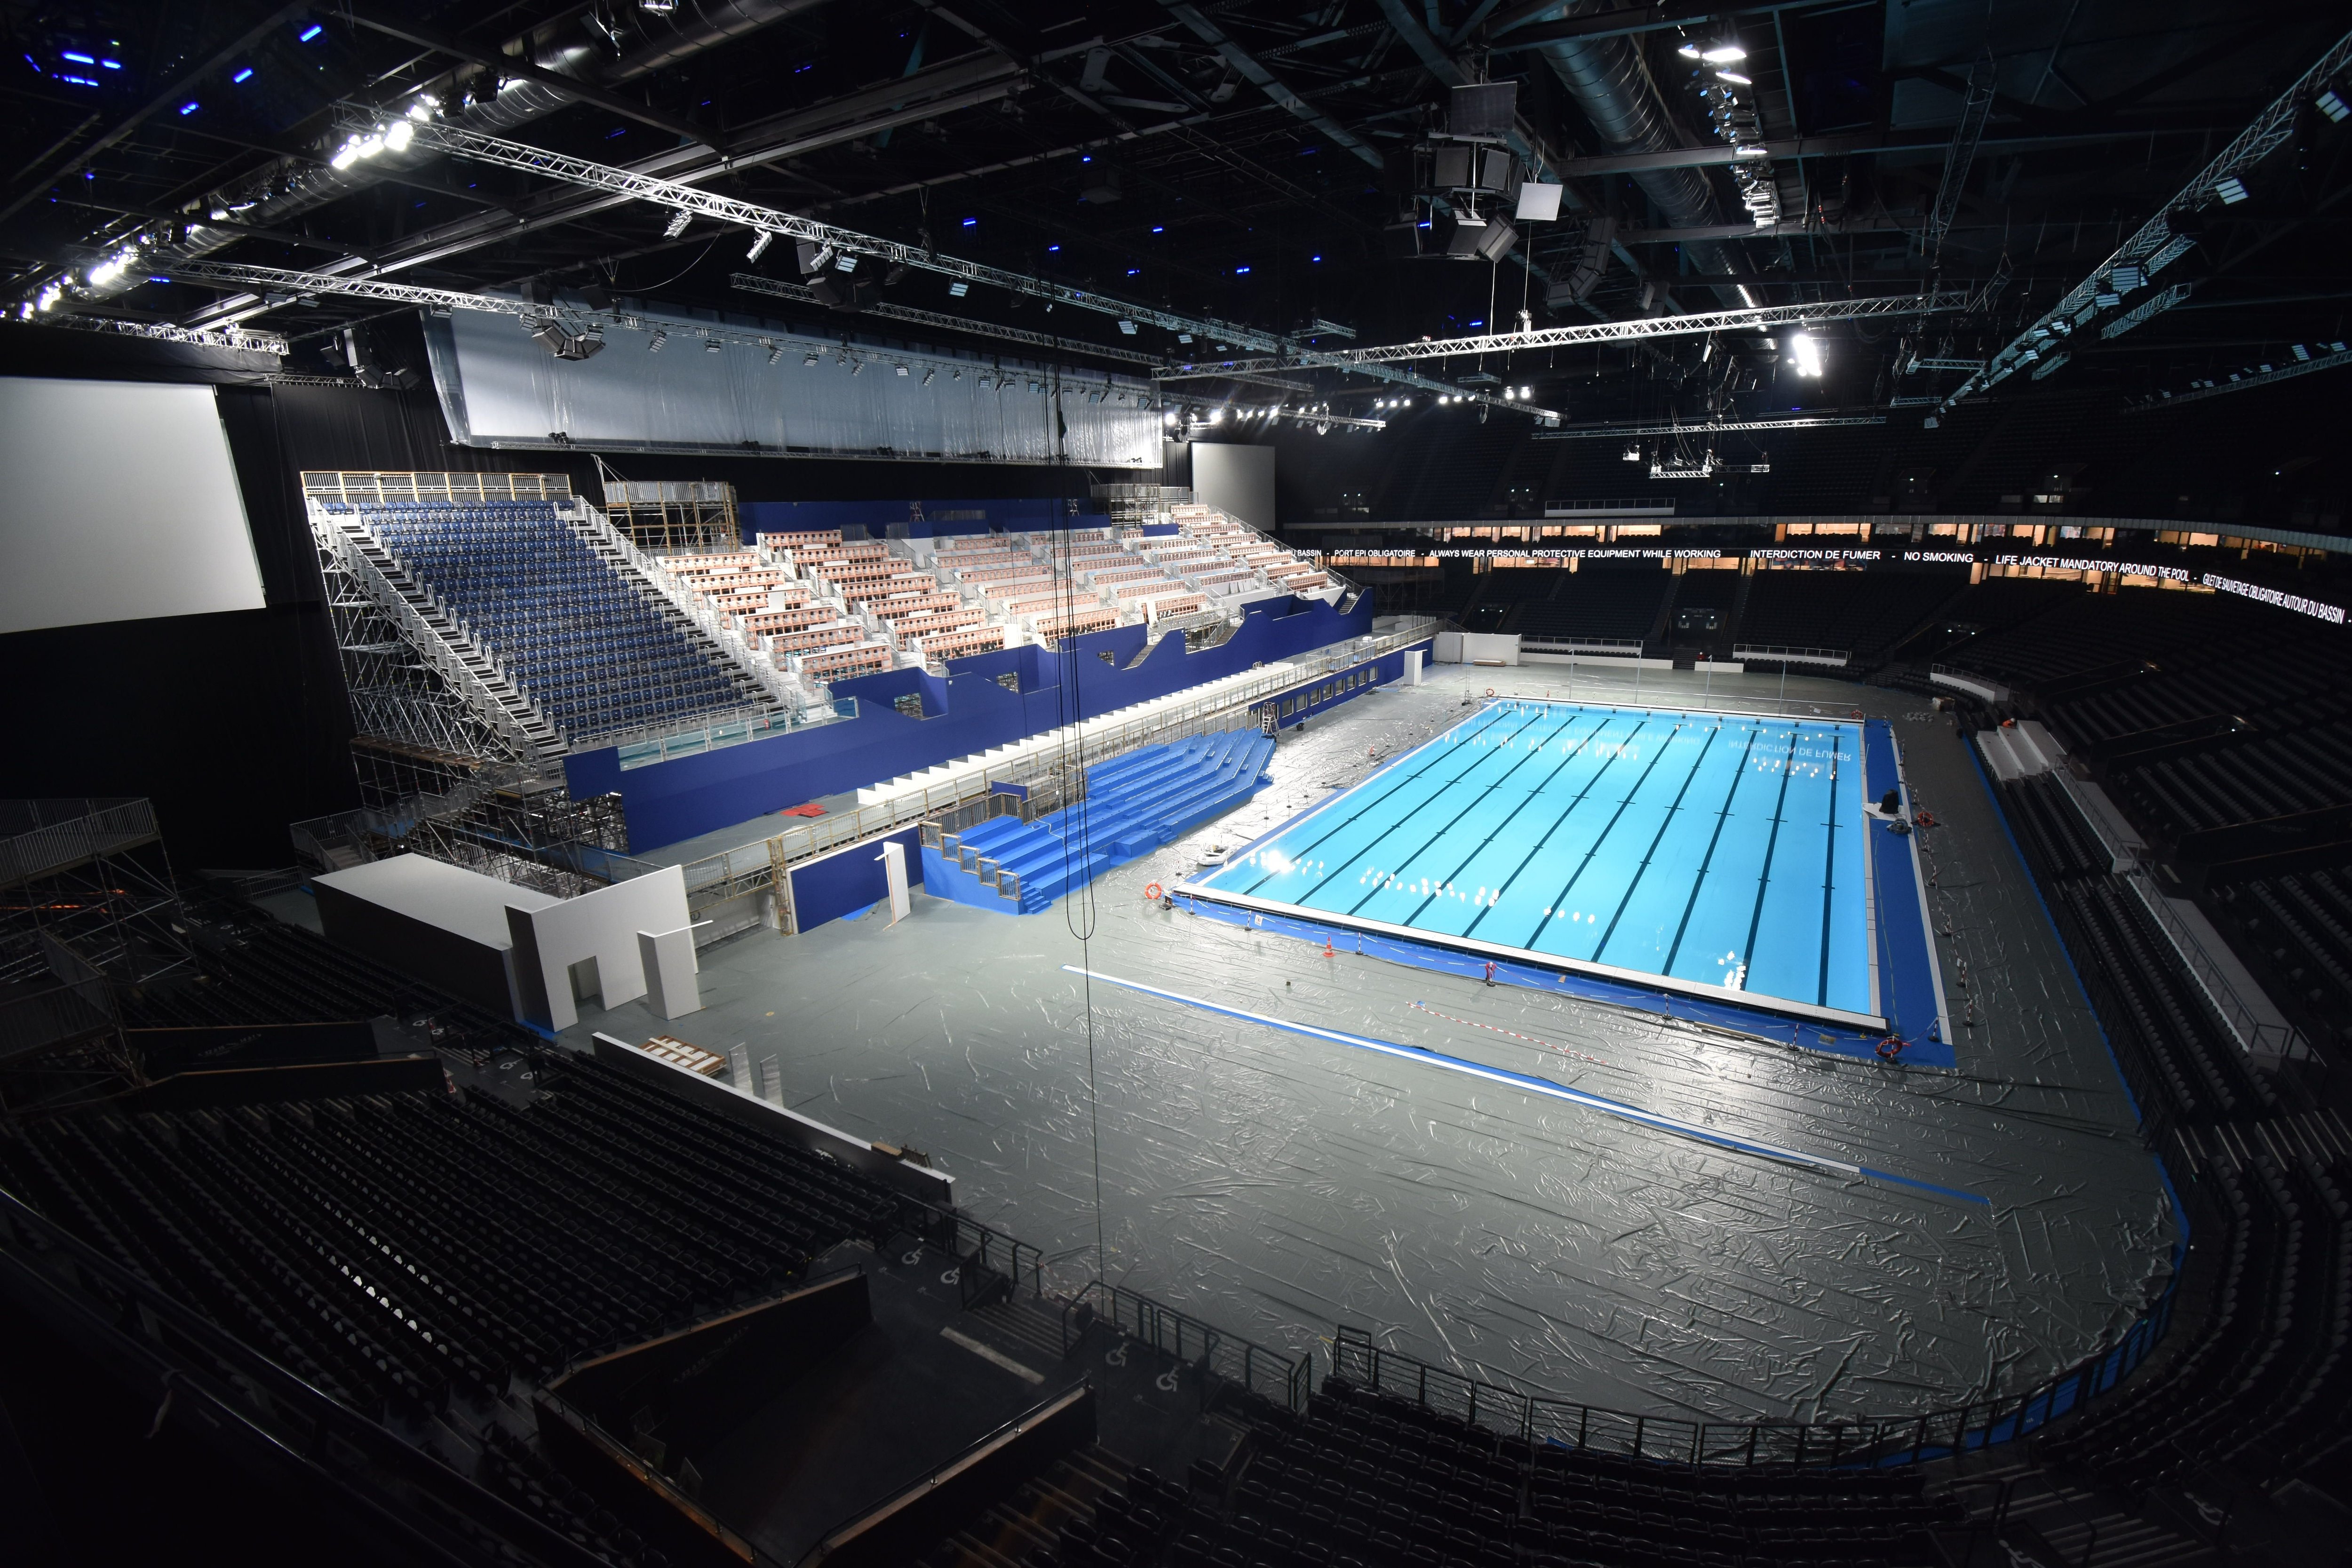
{"x":928,"y":376}
{"x":775,"y":352}
{"x":760,"y":243}
{"x":899,"y":368}
{"x":1689,"y":51}
{"x":397,"y":137}
{"x":1724,"y":54}
{"x":711,"y":345}
{"x":1734,"y":78}
{"x":1807,"y":354}
{"x":959,"y":288}
{"x":1526,"y":392}
{"x":1632,"y":453}
{"x":677,"y":225}
{"x":2231,"y":189}
{"x":654,"y":344}
{"x":1127,"y":327}
{"x":809,"y":359}
{"x":2332,"y":104}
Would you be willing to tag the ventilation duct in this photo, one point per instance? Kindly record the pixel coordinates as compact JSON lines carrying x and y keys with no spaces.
{"x":1611,"y":83}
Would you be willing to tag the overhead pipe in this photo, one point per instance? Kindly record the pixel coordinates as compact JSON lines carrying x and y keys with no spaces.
{"x":1611,"y":83}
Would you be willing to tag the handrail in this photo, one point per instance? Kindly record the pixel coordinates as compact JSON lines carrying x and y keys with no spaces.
{"x":1268,"y":1374}
{"x":242,"y":1390}
{"x":104,"y":825}
{"x":729,"y":642}
{"x":1787,"y":654}
{"x":1051,"y":1404}
{"x":2255,"y":1036}
{"x":1862,"y":1441}
{"x":428,"y":642}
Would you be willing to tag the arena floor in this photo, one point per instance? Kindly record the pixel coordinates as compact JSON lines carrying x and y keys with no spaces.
{"x":1264,"y":1166}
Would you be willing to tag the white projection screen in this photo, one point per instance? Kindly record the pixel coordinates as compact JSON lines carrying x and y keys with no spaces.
{"x":117,"y":502}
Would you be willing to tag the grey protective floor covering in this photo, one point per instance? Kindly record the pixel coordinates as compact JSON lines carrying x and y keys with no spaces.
{"x":1275,"y":1184}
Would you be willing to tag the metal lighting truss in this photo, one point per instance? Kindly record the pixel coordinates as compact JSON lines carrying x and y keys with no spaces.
{"x":2155,"y":244}
{"x":1801,"y":421}
{"x":164,"y":332}
{"x":754,"y":284}
{"x":1746,"y":318}
{"x":2249,"y":380}
{"x":458,"y":141}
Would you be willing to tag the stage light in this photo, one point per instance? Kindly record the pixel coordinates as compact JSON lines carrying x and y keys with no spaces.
{"x":1734,"y":78}
{"x":900,"y":369}
{"x":1807,"y":352}
{"x":1724,"y":54}
{"x":711,"y":345}
{"x":1128,"y":328}
{"x":1526,"y":392}
{"x":2231,"y":189}
{"x":760,"y":243}
{"x":1216,"y":416}
{"x":929,"y":375}
{"x":677,"y":225}
{"x":312,"y":31}
{"x":1689,"y":51}
{"x":190,"y":106}
{"x":958,"y":290}
{"x":243,"y":75}
{"x":2332,"y":104}
{"x":654,"y":344}
{"x":810,"y":358}
{"x":775,"y":351}
{"x":1632,"y":454}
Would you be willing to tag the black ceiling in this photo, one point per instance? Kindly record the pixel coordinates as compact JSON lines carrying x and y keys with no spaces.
{"x":1244,"y":161}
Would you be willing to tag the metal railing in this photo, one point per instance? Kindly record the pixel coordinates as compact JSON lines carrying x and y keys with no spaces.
{"x":1969,"y":681}
{"x":1285,"y":1380}
{"x":2271,"y":1036}
{"x":1834,"y":658}
{"x":718,"y":877}
{"x":1621,"y":647}
{"x":1676,"y":1440}
{"x":762,"y":671}
{"x":641,"y":747}
{"x":47,"y":836}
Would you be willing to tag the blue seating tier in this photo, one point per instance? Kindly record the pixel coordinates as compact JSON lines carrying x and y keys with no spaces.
{"x":590,"y":649}
{"x":1134,"y":804}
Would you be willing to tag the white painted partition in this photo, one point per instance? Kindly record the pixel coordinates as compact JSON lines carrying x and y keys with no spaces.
{"x":671,"y":988}
{"x":603,"y":926}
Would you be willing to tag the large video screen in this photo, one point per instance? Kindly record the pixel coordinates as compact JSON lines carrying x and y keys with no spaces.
{"x":117,"y":502}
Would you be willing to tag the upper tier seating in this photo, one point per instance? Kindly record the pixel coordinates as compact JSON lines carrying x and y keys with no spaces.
{"x":391,"y":1248}
{"x":593,"y":652}
{"x":1596,"y":603}
{"x":1862,"y":613}
{"x":1367,"y":1479}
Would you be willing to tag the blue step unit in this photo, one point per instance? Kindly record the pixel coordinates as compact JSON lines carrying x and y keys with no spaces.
{"x":1134,"y":804}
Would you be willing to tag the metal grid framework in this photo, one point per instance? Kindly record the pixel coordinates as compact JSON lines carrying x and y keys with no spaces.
{"x":2328,"y":361}
{"x":164,"y":332}
{"x":395,"y":693}
{"x":2270,"y":131}
{"x":1710,"y":427}
{"x":1747,"y":318}
{"x":458,"y":141}
{"x":753,"y":283}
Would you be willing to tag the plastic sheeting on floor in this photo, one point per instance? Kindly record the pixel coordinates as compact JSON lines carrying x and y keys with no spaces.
{"x":1275,"y":1184}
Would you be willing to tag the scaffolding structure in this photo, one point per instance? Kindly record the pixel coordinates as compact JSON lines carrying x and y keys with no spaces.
{"x":674,"y":517}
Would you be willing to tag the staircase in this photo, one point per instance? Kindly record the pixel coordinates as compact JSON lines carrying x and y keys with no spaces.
{"x":1030,"y":1521}
{"x":1133,"y":805}
{"x":464,"y":663}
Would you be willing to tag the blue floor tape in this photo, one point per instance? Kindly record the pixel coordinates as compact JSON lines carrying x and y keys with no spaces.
{"x":1823,"y":1162}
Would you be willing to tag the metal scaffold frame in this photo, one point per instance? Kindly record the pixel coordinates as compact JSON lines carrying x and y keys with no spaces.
{"x":458,"y":141}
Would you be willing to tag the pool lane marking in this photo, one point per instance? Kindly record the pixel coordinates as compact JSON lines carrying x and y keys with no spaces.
{"x":1437,"y":837}
{"x":1546,"y":1088}
{"x":1764,"y":874}
{"x":1715,"y":840}
{"x":1477,"y":724}
{"x":1607,"y":828}
{"x":1649,"y":855}
{"x":1566,"y":812}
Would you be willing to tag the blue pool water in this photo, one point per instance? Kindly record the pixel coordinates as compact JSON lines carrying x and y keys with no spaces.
{"x":1717,"y":853}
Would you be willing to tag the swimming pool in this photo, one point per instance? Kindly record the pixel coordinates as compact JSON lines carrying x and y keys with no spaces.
{"x":1716,"y":854}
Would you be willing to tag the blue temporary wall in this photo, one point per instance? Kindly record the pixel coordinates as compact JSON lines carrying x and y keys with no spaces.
{"x":966,"y":711}
{"x":850,"y":880}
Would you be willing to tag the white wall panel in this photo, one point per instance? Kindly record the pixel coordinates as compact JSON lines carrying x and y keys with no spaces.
{"x":501,"y":388}
{"x":117,"y":502}
{"x":1236,"y":480}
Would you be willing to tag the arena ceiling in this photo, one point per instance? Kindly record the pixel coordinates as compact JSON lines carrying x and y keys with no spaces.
{"x":1266,"y":165}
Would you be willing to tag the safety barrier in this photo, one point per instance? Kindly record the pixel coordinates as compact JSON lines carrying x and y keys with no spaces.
{"x":1286,"y":1380}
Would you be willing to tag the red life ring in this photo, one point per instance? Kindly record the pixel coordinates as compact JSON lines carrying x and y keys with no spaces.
{"x":1153,"y":891}
{"x":1891,"y":1047}
{"x":1860,"y":714}
{"x":1490,"y":692}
